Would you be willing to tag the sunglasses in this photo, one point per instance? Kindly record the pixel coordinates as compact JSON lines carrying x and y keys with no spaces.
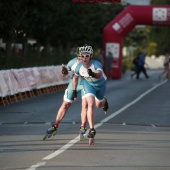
{"x":86,"y":56}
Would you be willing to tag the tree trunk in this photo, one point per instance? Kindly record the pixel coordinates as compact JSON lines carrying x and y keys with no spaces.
{"x":9,"y":51}
{"x":25,"y":48}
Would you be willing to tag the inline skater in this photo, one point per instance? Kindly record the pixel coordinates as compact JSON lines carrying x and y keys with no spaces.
{"x":67,"y":99}
{"x":94,"y":84}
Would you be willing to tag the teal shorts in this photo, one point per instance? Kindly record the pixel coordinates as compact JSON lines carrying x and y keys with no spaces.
{"x":96,"y":90}
{"x":69,"y":91}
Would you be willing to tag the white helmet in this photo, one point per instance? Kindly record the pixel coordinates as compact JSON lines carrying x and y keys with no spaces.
{"x":86,"y":49}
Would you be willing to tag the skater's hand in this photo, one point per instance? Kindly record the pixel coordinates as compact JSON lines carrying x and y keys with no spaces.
{"x":74,"y":95}
{"x":91,"y":73}
{"x":64,"y":70}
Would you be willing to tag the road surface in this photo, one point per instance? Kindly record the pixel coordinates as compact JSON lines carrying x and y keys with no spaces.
{"x":134,"y":135}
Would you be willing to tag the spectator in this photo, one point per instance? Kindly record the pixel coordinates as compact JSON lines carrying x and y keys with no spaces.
{"x":141,"y":66}
{"x":136,"y":66}
{"x":166,"y":66}
{"x":100,"y":57}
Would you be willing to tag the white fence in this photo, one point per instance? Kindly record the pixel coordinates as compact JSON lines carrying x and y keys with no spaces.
{"x":15,"y":81}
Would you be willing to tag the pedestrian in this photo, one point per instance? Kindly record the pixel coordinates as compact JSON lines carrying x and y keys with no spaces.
{"x":67,"y":98}
{"x":141,"y":66}
{"x":94,"y":85}
{"x":166,"y":66}
{"x":136,"y":66}
{"x":100,"y":58}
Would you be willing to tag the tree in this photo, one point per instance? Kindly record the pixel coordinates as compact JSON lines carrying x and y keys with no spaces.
{"x":55,"y":24}
{"x":8,"y":22}
{"x":159,"y":34}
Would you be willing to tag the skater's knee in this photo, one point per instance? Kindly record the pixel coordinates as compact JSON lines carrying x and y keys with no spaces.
{"x":84,"y":105}
{"x":66,"y":105}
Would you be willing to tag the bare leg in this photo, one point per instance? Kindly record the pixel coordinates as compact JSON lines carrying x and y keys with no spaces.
{"x":163,"y":72}
{"x":84,"y":113}
{"x":168,"y":72}
{"x":90,"y":100}
{"x":61,"y":112}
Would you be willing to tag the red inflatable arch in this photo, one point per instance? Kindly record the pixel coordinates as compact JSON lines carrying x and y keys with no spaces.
{"x":118,"y":28}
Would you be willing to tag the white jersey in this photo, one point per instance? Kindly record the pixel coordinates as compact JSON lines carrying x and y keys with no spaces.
{"x":83,"y":72}
{"x":72,"y":64}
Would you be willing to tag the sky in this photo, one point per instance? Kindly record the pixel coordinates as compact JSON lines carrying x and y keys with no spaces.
{"x":138,"y":2}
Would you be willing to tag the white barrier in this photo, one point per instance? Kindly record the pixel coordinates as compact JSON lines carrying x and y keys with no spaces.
{"x":4,"y":87}
{"x":15,"y":81}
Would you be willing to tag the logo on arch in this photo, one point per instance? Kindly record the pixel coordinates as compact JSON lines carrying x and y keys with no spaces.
{"x":159,"y":14}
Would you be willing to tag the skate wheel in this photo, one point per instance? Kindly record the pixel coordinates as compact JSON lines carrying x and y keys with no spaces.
{"x":45,"y":137}
{"x":91,"y":141}
{"x":81,"y":137}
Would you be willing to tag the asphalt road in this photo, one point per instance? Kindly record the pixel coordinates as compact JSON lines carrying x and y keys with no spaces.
{"x":134,"y":135}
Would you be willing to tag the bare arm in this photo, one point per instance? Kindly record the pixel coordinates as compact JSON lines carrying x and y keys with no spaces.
{"x":74,"y":82}
{"x":98,"y":74}
{"x":74,"y":86}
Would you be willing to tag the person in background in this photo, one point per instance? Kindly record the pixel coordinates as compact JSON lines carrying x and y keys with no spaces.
{"x":100,"y":58}
{"x":141,"y":66}
{"x":136,"y":66}
{"x":166,"y":66}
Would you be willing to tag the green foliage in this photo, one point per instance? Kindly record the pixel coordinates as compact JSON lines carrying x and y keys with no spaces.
{"x":153,"y":37}
{"x":136,"y":40}
{"x":55,"y":57}
{"x":137,"y":37}
{"x":58,"y":23}
{"x":127,"y":64}
{"x":84,"y":23}
{"x":158,"y":34}
{"x":152,"y":48}
{"x":53,"y":24}
{"x":160,"y":2}
{"x":9,"y":18}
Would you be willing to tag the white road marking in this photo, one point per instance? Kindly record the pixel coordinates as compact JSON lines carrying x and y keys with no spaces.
{"x":75,"y":140}
{"x":131,"y":103}
{"x":62,"y":149}
{"x":33,"y":167}
{"x":47,"y":123}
